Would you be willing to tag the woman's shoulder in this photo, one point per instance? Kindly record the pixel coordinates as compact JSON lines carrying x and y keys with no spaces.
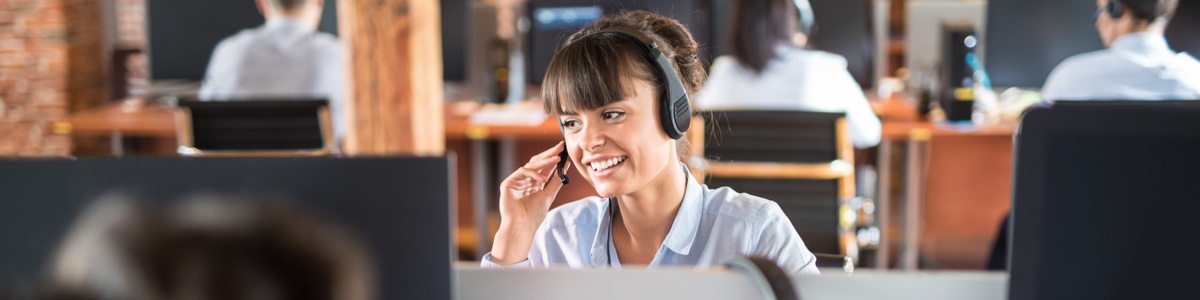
{"x":726,"y":201}
{"x":584,"y":211}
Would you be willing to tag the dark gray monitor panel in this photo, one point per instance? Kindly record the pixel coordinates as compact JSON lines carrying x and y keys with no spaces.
{"x":399,"y":206}
{"x":552,"y":21}
{"x":183,"y":34}
{"x":1105,"y":201}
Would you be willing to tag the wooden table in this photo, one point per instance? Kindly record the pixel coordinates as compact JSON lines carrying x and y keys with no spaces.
{"x":957,"y":186}
{"x":130,"y":118}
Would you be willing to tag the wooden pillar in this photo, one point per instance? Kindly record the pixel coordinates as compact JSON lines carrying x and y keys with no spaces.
{"x":395,"y":77}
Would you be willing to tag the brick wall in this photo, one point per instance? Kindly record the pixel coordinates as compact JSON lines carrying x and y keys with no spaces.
{"x":52,"y":62}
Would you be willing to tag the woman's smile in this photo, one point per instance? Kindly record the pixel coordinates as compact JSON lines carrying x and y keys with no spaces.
{"x":603,"y":168}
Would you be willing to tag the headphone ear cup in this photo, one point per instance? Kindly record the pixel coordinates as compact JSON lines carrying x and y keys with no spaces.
{"x":1114,"y":9}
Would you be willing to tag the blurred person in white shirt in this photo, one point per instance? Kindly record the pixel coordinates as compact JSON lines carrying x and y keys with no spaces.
{"x":769,"y":68}
{"x":1137,"y":64}
{"x":284,"y":58}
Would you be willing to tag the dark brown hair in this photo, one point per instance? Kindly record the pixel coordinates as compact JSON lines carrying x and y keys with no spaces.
{"x":588,"y":73}
{"x":1150,"y":10}
{"x":212,"y":248}
{"x":758,"y":26}
{"x":289,"y":4}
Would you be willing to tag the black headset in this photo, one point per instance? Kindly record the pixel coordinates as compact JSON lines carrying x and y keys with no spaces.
{"x":675,"y":113}
{"x":807,"y":19}
{"x":1114,"y":9}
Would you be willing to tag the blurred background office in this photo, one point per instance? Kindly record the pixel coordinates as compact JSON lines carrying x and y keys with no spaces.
{"x":75,"y":74}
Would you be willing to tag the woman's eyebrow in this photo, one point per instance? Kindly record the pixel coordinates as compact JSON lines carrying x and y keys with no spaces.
{"x":622,"y":102}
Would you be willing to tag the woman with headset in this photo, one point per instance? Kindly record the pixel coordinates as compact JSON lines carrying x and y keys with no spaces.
{"x":770,"y":69}
{"x":619,"y":90}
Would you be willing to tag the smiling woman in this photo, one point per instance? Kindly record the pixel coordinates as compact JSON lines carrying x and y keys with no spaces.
{"x":619,"y":88}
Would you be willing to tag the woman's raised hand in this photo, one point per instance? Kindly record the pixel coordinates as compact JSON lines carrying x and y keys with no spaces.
{"x":525,"y":198}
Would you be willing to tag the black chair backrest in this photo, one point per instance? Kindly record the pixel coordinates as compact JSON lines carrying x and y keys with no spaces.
{"x":782,"y":137}
{"x":811,"y":205}
{"x":1104,"y":197}
{"x":257,"y":124}
{"x":771,"y":136}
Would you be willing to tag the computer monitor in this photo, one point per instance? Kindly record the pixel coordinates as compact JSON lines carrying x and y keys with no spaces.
{"x":1026,"y":39}
{"x":399,"y":207}
{"x":1104,"y":201}
{"x":843,"y":27}
{"x":552,"y":21}
{"x":183,"y":34}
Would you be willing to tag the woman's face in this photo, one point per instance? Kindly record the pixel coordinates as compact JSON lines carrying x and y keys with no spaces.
{"x":1104,"y":23}
{"x":620,"y":148}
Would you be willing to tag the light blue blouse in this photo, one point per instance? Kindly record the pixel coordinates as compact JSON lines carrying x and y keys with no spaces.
{"x":712,"y":225}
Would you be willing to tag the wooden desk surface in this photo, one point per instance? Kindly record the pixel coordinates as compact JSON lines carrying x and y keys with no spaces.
{"x":159,"y":121}
{"x":459,"y":127}
{"x":125,"y":118}
{"x":904,"y":130}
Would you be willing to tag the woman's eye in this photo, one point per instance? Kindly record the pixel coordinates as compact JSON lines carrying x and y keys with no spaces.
{"x":570,"y":124}
{"x":612,"y":115}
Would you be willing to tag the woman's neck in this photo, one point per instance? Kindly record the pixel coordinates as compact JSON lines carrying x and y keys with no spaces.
{"x":647,"y":214}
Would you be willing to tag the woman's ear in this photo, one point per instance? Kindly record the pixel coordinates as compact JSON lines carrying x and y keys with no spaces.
{"x":263,"y":7}
{"x":800,"y":39}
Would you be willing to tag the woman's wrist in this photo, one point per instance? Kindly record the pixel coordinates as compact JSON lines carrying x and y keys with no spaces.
{"x":512,"y":243}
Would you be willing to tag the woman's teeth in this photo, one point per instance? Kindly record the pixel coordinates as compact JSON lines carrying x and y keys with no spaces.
{"x":608,"y":163}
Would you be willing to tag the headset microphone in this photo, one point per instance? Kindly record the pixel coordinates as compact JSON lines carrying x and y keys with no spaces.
{"x":562,"y":162}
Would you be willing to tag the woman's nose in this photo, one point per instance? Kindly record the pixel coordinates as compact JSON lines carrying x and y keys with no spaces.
{"x":592,"y":137}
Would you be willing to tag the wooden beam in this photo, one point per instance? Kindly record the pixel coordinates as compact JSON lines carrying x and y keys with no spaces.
{"x":394,"y":73}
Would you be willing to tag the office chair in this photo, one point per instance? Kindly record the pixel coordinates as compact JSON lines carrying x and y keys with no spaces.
{"x":260,"y":127}
{"x":804,"y":161}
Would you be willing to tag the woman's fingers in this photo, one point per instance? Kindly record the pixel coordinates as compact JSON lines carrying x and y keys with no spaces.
{"x":540,"y":164}
{"x":525,"y":177}
{"x":549,"y":152}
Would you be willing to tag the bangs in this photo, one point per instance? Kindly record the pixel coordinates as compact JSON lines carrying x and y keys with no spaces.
{"x":593,"y":72}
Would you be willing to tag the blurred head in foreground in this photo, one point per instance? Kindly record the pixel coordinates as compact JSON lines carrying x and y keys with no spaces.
{"x":207,"y":248}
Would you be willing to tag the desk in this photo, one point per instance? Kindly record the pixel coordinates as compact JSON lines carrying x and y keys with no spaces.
{"x":957,"y":186}
{"x":130,"y":118}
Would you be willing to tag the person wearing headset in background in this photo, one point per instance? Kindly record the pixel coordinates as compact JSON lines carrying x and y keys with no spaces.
{"x":619,"y":89}
{"x":1138,"y":64}
{"x":770,"y":69}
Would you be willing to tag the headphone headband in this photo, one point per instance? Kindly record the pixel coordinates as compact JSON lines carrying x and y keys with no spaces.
{"x":675,"y":111}
{"x":807,"y":18}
